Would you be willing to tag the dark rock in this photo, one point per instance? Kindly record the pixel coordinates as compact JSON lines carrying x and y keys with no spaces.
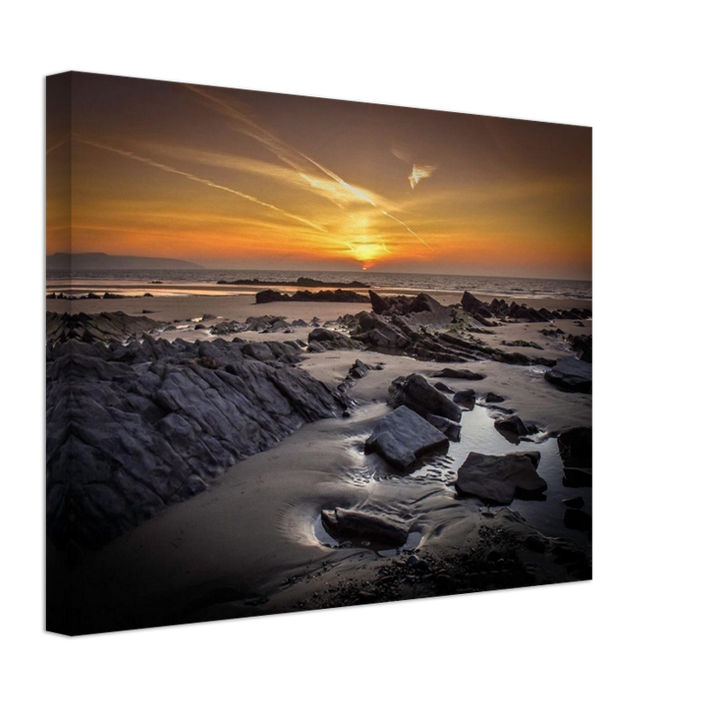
{"x":449,"y":428}
{"x":402,"y":437}
{"x":534,"y":543}
{"x":577,"y":478}
{"x":133,"y":428}
{"x":416,"y":393}
{"x":328,"y":339}
{"x":496,"y":480}
{"x":571,"y":375}
{"x":512,"y":425}
{"x":465,"y":399}
{"x":575,"y":446}
{"x":492,"y":398}
{"x":582,"y":344}
{"x":522,"y":342}
{"x":345,"y":524}
{"x":266,"y":296}
{"x":463,"y":373}
{"x":443,"y":388}
{"x":575,"y":502}
{"x":576,"y":519}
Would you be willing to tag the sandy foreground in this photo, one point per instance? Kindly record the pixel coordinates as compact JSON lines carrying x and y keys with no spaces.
{"x":253,"y":543}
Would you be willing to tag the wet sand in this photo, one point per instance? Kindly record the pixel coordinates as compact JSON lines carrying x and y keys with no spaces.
{"x":253,"y":544}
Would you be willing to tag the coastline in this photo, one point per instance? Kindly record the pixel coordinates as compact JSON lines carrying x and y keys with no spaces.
{"x":250,"y":545}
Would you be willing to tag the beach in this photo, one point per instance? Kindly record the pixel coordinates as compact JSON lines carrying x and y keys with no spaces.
{"x":254,"y":541}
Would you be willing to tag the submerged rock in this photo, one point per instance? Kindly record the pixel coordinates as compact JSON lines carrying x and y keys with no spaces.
{"x":497,"y":480}
{"x":402,"y":437}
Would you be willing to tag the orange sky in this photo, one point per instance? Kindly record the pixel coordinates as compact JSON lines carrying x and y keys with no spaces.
{"x":230,"y":178}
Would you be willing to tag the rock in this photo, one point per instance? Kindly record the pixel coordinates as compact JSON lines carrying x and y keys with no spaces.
{"x":266,"y":296}
{"x":576,"y":519}
{"x":497,"y":480}
{"x":463,"y":373}
{"x":512,"y":425}
{"x":534,"y":543}
{"x":493,"y":398}
{"x":522,"y":342}
{"x":443,"y":388}
{"x":355,"y":525}
{"x":104,"y":327}
{"x":577,"y":478}
{"x":465,"y":399}
{"x":582,"y":344}
{"x":328,"y":339}
{"x":402,"y":437}
{"x":575,"y":502}
{"x":417,"y":394}
{"x":571,"y":375}
{"x":133,"y":428}
{"x":449,"y":428}
{"x":575,"y":447}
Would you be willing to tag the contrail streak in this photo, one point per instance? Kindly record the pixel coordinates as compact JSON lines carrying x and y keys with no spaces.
{"x":409,"y":229}
{"x":289,"y":154}
{"x":60,"y":144}
{"x":194,"y":178}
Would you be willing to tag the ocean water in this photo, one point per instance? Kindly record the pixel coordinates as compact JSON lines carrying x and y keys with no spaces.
{"x":203,"y":281}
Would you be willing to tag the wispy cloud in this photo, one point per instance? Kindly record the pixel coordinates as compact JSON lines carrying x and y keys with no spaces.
{"x":200,"y":180}
{"x":420,"y":172}
{"x":306,"y":167}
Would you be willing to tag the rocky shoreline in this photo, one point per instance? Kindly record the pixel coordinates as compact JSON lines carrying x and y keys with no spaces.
{"x":143,"y":414}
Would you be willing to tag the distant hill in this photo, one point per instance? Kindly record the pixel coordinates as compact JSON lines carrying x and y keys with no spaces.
{"x":102,"y":261}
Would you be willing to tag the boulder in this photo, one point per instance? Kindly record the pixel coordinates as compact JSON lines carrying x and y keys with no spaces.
{"x":402,"y":437}
{"x":443,"y":388}
{"x":497,"y":480}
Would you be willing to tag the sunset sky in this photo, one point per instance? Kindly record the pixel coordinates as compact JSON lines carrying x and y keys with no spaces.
{"x":229,"y":178}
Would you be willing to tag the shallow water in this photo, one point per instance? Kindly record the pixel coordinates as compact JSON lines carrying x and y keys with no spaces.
{"x":435,"y":474}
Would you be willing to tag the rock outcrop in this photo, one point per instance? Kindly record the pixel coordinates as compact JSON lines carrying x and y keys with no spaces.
{"x":133,"y":428}
{"x":266,"y":296}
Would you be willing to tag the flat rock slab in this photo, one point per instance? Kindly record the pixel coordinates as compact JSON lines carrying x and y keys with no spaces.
{"x":497,"y":480}
{"x":571,"y":375}
{"x":345,"y":524}
{"x":402,"y":437}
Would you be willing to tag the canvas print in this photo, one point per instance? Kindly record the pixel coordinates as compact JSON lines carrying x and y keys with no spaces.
{"x":305,"y":353}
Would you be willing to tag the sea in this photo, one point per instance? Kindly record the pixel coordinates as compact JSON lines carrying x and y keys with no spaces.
{"x":184,"y":282}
